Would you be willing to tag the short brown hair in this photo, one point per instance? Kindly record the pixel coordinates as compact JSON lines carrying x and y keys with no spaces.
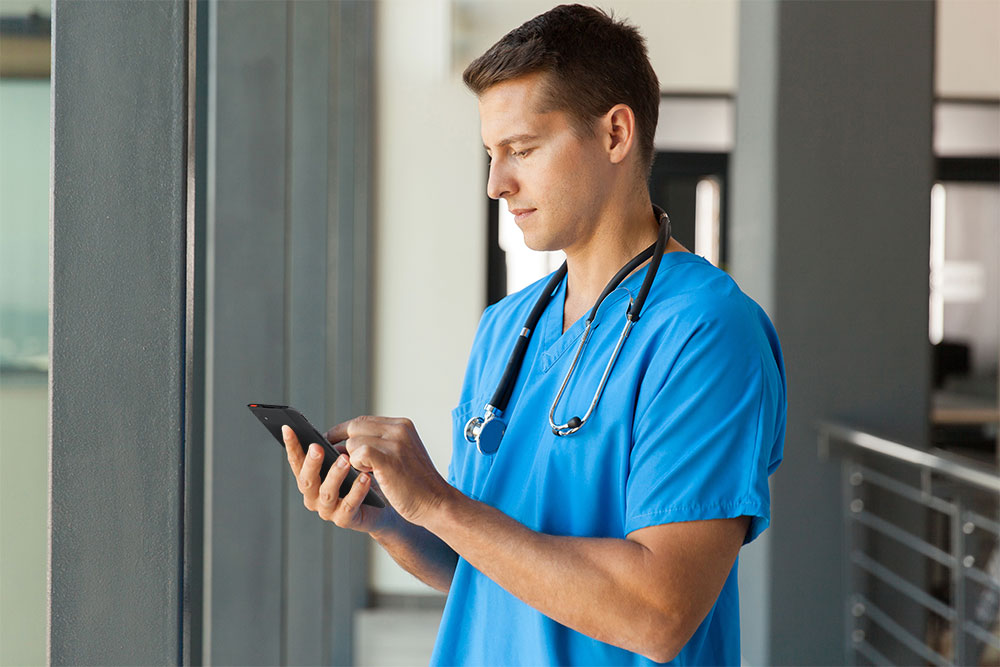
{"x":592,"y":60}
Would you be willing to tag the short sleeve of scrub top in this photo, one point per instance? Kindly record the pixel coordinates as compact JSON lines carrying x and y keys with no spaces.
{"x":707,"y":416}
{"x":689,"y":427}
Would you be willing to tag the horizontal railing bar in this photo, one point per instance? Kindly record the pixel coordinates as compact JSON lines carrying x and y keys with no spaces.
{"x":905,"y":537}
{"x":983,"y":522}
{"x":982,"y":635}
{"x":983,"y":478}
{"x":905,"y":490}
{"x":880,"y":571}
{"x":883,"y":620}
{"x":981,"y":577}
{"x":870,"y":652}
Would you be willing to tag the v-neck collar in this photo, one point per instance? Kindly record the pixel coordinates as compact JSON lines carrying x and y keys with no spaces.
{"x":554,"y":343}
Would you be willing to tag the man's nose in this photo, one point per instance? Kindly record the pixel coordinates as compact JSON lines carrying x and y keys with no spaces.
{"x":501,"y":183}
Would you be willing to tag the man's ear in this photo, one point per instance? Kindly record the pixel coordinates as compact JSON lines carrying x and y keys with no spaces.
{"x":618,"y":130}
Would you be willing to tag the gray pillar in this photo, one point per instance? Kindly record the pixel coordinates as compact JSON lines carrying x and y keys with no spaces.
{"x":247,"y":331}
{"x":305,"y":620}
{"x":120,"y":358}
{"x":288,"y":321}
{"x":349,"y":286}
{"x":211,"y":188}
{"x":830,"y":212}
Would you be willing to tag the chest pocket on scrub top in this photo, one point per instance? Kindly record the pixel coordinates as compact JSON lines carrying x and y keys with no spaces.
{"x":468,"y":469}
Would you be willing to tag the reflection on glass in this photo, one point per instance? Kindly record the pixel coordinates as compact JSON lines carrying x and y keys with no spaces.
{"x":24,"y":224}
{"x":24,"y":252}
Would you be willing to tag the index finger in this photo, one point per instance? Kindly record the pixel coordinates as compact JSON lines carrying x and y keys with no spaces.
{"x":362,"y":425}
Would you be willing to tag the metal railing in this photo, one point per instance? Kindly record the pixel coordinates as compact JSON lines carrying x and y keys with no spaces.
{"x":929,"y":564}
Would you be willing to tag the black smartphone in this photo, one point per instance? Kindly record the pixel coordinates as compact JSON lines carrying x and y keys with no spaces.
{"x":273,"y":417}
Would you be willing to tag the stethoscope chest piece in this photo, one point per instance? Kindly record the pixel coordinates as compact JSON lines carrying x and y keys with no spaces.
{"x":490,"y":435}
{"x":486,"y":433}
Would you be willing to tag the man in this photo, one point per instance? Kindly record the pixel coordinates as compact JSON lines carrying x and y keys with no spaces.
{"x":616,"y":544}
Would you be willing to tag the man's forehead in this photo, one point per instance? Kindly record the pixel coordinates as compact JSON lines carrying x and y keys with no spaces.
{"x":512,"y":110}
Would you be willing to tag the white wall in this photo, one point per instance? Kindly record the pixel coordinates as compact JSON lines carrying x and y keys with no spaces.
{"x":430,"y":231}
{"x":968,"y":49}
{"x":692,"y":43}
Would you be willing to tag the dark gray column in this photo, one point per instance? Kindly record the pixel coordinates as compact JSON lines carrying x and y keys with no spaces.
{"x":288,"y":317}
{"x":306,"y":619}
{"x":349,"y":290}
{"x":329,"y":321}
{"x":211,"y":188}
{"x":119,"y":352}
{"x":832,"y":177}
{"x":247,"y":331}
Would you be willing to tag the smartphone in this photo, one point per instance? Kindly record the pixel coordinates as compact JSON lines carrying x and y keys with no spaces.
{"x":273,"y":417}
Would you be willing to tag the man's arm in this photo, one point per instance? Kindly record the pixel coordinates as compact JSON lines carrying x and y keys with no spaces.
{"x":647,"y":593}
{"x":418,"y":551}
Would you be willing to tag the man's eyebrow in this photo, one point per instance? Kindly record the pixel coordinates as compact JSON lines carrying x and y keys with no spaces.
{"x":513,"y":139}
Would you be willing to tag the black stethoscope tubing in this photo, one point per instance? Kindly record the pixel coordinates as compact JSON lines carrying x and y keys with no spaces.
{"x":490,"y":427}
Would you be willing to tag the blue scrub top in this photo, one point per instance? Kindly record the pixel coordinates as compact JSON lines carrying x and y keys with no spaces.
{"x":689,"y":427}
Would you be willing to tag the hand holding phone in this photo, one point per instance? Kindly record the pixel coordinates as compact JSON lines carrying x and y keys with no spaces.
{"x":273,"y":417}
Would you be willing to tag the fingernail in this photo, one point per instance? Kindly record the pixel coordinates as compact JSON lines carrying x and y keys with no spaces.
{"x":342,"y":461}
{"x":314,"y":451}
{"x":363,"y":478}
{"x":285,"y":429}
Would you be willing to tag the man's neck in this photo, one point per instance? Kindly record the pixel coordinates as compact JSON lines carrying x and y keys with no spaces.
{"x":622,"y":233}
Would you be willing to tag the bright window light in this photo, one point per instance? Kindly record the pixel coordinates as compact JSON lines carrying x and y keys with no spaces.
{"x":524,"y":265}
{"x":708,"y":196}
{"x":936,"y":327}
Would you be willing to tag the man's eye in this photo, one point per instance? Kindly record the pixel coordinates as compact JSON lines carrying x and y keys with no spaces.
{"x":523,"y":153}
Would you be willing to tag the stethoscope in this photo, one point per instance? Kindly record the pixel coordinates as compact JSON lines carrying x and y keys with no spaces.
{"x":488,"y":430}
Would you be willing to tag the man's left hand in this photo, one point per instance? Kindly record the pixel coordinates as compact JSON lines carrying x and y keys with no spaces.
{"x":392,"y":451}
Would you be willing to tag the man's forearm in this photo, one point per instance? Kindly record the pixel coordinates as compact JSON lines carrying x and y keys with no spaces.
{"x":615,"y":590}
{"x":587,"y":584}
{"x":419,"y":552}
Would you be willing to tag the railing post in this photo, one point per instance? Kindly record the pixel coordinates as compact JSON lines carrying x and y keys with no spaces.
{"x":847,"y":493}
{"x":958,"y":584}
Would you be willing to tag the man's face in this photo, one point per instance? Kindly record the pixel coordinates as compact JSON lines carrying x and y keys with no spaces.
{"x":554,"y":181}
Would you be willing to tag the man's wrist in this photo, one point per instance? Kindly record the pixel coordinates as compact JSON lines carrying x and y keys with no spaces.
{"x":440,"y":514}
{"x":389,"y":526}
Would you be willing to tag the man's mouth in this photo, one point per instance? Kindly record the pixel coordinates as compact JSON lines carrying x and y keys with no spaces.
{"x":521,"y":213}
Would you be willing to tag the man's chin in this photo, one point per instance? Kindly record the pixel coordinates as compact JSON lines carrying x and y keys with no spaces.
{"x":540,"y":244}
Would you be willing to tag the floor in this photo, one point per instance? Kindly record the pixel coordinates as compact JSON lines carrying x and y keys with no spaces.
{"x":386,"y":637}
{"x":24,"y":454}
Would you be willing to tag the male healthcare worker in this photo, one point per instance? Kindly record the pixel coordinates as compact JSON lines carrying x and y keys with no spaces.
{"x":616,"y":544}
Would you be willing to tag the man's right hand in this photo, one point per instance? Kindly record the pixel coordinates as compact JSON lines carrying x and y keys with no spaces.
{"x":324,"y":498}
